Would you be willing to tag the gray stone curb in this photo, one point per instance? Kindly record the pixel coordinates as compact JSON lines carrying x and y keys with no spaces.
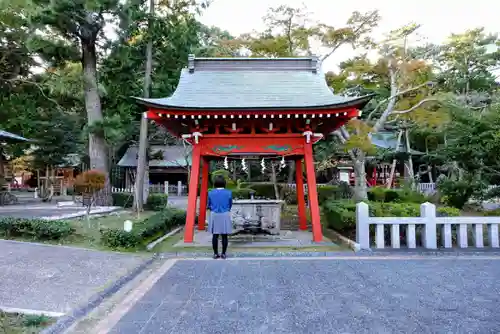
{"x":362,"y":253}
{"x":68,"y":320}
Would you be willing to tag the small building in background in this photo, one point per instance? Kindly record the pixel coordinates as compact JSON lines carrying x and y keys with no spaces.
{"x":166,"y":164}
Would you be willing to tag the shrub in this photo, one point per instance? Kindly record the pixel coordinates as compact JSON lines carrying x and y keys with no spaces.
{"x":457,"y":193}
{"x":125,"y":200}
{"x":339,"y":192}
{"x":264,"y":189}
{"x":446,"y":211}
{"x":243,"y":193}
{"x":159,"y":223}
{"x":37,"y":229}
{"x":289,"y":195}
{"x":341,"y":215}
{"x":381,"y":194}
{"x":156,"y":202}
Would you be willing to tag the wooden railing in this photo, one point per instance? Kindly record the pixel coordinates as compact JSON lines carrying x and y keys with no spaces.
{"x":453,"y":231}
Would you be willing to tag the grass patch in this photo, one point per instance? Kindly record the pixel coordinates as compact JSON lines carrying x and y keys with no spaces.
{"x":14,"y":323}
{"x":87,"y":232}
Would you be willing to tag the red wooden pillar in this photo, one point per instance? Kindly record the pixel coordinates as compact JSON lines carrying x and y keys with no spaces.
{"x":193,"y":193}
{"x":313,"y":193}
{"x":301,"y":202}
{"x":203,"y":194}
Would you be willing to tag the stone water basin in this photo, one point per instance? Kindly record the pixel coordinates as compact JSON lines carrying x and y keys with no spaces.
{"x":257,"y":216}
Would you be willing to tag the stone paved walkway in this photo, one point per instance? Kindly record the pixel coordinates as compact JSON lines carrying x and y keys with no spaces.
{"x":328,"y":295}
{"x":56,"y":279}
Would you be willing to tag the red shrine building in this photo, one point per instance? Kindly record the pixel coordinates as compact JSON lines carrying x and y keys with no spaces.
{"x":272,"y":107}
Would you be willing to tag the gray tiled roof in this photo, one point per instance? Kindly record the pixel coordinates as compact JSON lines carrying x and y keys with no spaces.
{"x":389,"y":140}
{"x":173,"y":156}
{"x":242,"y":83}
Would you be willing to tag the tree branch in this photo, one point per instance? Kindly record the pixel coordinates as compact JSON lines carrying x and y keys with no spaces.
{"x":394,"y":96}
{"x":399,"y":112}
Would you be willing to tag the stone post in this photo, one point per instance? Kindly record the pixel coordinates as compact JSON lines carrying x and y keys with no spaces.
{"x":165,"y":185}
{"x":428,"y":215}
{"x":362,"y":225}
{"x":179,"y":188}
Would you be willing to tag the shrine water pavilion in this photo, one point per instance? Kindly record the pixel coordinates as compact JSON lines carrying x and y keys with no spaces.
{"x":272,"y":107}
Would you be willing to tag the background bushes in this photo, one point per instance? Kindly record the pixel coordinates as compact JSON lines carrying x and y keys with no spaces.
{"x":341,"y":215}
{"x":154,"y":226}
{"x":266,"y":190}
{"x":155,"y":202}
{"x":36,"y":229}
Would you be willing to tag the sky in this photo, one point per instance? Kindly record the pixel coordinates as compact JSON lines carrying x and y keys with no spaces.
{"x":439,"y":18}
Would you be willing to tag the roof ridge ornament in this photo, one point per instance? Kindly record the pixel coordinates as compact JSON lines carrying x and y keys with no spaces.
{"x":191,"y":58}
{"x":316,"y":64}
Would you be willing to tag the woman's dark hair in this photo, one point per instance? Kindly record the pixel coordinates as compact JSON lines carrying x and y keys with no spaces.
{"x":219,"y":181}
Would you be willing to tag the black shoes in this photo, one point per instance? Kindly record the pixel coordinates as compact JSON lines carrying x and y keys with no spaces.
{"x":217,"y":256}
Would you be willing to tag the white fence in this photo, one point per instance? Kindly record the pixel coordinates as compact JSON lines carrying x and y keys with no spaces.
{"x":426,"y":188}
{"x":429,"y":223}
{"x":165,"y":188}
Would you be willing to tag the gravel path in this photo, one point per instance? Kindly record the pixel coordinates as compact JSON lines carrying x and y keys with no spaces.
{"x":329,"y":295}
{"x":55,"y":278}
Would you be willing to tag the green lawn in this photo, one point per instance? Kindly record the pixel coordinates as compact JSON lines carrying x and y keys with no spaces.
{"x":87,"y":232}
{"x":13,"y":323}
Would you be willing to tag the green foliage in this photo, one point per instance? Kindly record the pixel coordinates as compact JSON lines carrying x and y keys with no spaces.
{"x":445,"y":211}
{"x":263,"y":189}
{"x":339,"y":192}
{"x":405,"y":195}
{"x":230,"y":184}
{"x":36,"y":229}
{"x":125,"y":200}
{"x":341,"y":215}
{"x":31,"y":320}
{"x":143,"y":232}
{"x":456,"y":193}
{"x":156,"y":202}
{"x":242,"y":193}
{"x":382,"y":194}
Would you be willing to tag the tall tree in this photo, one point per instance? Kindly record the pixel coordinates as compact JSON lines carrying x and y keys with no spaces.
{"x":78,"y":26}
{"x":407,"y":92}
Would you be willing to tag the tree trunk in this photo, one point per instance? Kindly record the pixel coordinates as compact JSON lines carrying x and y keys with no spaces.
{"x":97,"y":144}
{"x":291,"y":175}
{"x":360,"y":189}
{"x":411,"y":173}
{"x":393,"y":166}
{"x":274,"y":181}
{"x":142,"y":187}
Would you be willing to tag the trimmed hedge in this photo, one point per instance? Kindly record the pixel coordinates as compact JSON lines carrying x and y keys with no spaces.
{"x":125,"y":200}
{"x":155,"y":202}
{"x":37,"y":229}
{"x":266,"y":190}
{"x":382,"y":194}
{"x":158,"y":224}
{"x":341,"y":215}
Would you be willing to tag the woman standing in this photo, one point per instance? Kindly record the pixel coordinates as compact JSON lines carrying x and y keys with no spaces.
{"x":220,"y":201}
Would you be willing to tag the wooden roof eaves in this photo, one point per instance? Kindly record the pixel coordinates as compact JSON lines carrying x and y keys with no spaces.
{"x":359,"y":103}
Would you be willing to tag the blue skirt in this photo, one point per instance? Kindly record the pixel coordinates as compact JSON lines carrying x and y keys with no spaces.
{"x":220,"y":223}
